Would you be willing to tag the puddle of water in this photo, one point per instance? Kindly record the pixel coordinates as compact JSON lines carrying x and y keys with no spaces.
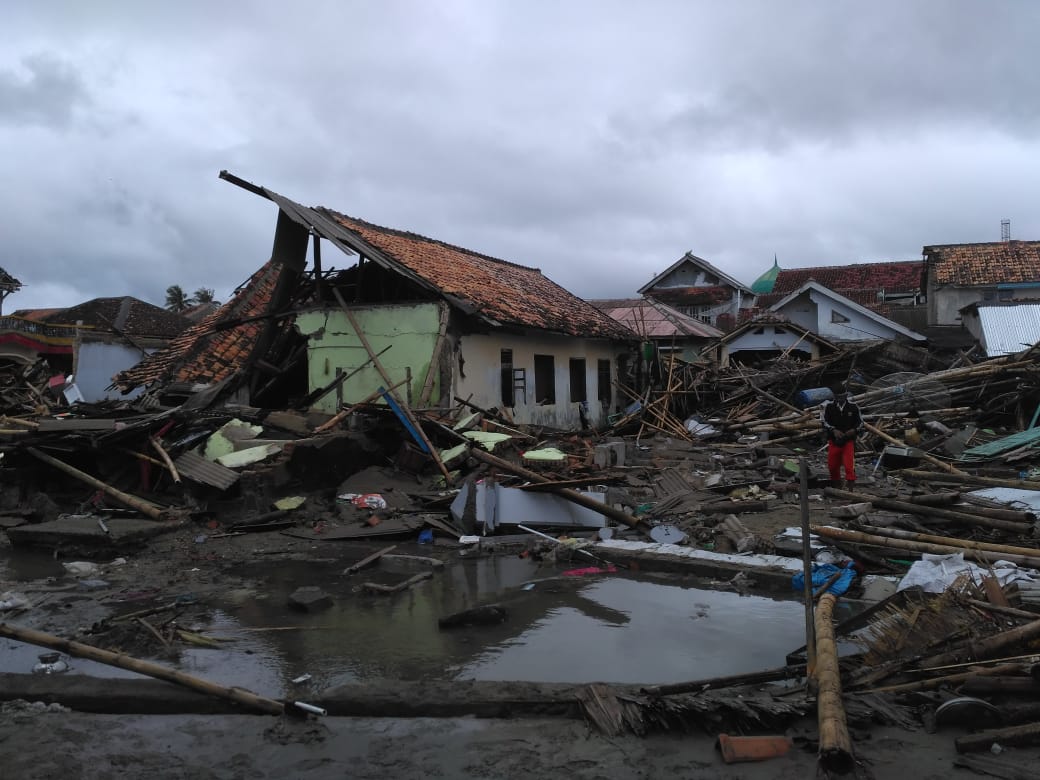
{"x":28,"y":565}
{"x":612,"y":629}
{"x":663,"y":633}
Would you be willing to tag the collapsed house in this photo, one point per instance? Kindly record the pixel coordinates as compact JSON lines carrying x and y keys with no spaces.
{"x":443,"y":322}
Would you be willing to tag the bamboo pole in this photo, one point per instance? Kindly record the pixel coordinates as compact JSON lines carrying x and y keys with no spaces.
{"x":166,"y":459}
{"x":948,"y":679}
{"x":807,"y":594}
{"x":1028,"y":734}
{"x":964,"y":518}
{"x":971,"y":479}
{"x":924,"y":455}
{"x":987,"y":647}
{"x":712,"y":683}
{"x":898,"y":533}
{"x":835,"y":745}
{"x":571,"y":495}
{"x":343,"y":414}
{"x":123,"y":661}
{"x":871,"y":540}
{"x":142,"y":506}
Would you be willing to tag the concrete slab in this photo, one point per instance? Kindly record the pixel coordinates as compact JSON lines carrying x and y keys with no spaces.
{"x":84,"y":530}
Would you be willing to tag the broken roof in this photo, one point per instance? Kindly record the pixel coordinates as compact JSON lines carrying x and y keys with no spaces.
{"x":497,"y":290}
{"x":998,"y":262}
{"x":205,"y":352}
{"x":652,"y":319}
{"x":774,"y":318}
{"x":127,"y":315}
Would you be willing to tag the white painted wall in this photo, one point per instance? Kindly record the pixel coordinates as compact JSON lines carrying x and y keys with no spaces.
{"x":96,"y":364}
{"x":483,"y":371}
{"x":813,"y":311}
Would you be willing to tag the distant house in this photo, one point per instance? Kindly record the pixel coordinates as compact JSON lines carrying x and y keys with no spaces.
{"x":444,"y":322}
{"x":894,"y":289}
{"x":93,"y":340}
{"x":959,"y":275}
{"x":767,"y":337}
{"x":669,"y":329}
{"x":698,"y":289}
{"x":1003,"y":329}
{"x":837,"y":318}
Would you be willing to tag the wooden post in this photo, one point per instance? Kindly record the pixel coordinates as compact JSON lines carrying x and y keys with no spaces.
{"x":835,"y":745}
{"x":386,"y":378}
{"x":807,"y":593}
{"x":79,"y":650}
{"x":142,"y":506}
{"x":987,"y":647}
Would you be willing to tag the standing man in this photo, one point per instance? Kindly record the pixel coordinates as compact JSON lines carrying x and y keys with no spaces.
{"x":842,"y":421}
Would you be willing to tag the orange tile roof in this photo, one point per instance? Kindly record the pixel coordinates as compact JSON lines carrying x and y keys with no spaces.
{"x":501,"y":291}
{"x":1000,"y":262}
{"x":202,"y":354}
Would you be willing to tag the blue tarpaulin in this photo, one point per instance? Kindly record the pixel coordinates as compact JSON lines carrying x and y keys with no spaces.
{"x":821,"y":573}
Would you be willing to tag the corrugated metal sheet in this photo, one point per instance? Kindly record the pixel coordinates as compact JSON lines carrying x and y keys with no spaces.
{"x":1009,"y":329}
{"x":1017,"y":498}
{"x":193,"y":466}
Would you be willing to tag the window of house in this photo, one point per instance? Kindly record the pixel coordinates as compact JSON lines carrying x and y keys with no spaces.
{"x":508,"y":396}
{"x":604,"y":387}
{"x":544,"y":379}
{"x":837,"y":316}
{"x":579,"y":389}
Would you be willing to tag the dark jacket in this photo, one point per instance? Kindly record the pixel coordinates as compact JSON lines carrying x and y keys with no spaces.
{"x":839,"y":417}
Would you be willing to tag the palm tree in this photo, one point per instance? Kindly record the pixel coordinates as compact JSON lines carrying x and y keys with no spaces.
{"x":203,"y":295}
{"x":176,"y":299}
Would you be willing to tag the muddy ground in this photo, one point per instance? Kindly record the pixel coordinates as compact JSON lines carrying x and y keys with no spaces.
{"x":198,"y":559}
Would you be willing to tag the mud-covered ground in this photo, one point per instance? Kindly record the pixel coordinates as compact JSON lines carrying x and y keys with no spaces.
{"x":201,"y":562}
{"x":44,"y":745}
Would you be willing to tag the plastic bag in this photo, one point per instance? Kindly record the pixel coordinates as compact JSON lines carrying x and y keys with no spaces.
{"x":364,"y":500}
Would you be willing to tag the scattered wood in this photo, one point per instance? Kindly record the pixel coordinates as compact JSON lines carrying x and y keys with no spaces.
{"x":374,"y":587}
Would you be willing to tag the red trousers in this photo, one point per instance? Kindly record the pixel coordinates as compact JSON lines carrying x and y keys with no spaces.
{"x":839,"y":455}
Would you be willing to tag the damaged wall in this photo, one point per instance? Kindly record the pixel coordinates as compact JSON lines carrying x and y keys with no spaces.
{"x":410,"y":330}
{"x":97,"y":362}
{"x":478,"y":373}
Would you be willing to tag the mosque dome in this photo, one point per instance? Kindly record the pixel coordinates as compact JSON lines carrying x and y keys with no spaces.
{"x":763,"y":285}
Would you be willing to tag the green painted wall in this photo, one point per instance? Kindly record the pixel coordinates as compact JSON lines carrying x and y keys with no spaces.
{"x":410,"y":329}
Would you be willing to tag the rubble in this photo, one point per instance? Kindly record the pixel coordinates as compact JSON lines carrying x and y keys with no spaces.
{"x":700,"y":474}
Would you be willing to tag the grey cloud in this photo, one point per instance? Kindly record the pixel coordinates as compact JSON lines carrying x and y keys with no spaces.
{"x":42,"y":91}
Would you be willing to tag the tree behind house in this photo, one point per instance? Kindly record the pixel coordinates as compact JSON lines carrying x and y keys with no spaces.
{"x":176,"y":298}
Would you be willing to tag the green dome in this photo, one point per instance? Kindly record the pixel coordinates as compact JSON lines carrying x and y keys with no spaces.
{"x":763,"y":285}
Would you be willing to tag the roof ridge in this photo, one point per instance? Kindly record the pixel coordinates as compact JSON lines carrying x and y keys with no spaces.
{"x":419,"y":237}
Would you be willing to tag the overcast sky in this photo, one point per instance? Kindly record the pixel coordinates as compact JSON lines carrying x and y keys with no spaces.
{"x":597,"y":141}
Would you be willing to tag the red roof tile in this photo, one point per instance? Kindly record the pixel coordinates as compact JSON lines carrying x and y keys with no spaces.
{"x":693,"y":296}
{"x":900,"y":276}
{"x":202,"y":354}
{"x":504,"y":292}
{"x":1002,"y":262}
